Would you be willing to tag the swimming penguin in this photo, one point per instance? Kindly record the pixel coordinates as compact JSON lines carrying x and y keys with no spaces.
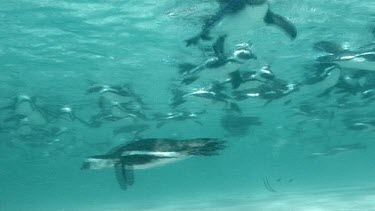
{"x":236,"y":17}
{"x":124,"y":90}
{"x":213,"y":92}
{"x":177,"y":116}
{"x":237,"y":77}
{"x":105,"y":116}
{"x":122,"y":108}
{"x":220,"y":59}
{"x":319,"y":72}
{"x":339,"y":149}
{"x":365,"y":124}
{"x":24,"y":101}
{"x":269,"y":90}
{"x":148,"y":153}
{"x":362,"y":58}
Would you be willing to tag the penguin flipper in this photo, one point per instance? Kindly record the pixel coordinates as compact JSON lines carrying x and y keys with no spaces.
{"x":235,"y":79}
{"x":288,"y":27}
{"x":124,"y":175}
{"x":218,"y":47}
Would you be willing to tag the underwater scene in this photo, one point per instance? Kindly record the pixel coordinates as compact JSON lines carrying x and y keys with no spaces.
{"x":210,"y":105}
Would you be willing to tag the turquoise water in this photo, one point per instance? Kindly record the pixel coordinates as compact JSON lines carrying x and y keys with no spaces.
{"x":54,"y":51}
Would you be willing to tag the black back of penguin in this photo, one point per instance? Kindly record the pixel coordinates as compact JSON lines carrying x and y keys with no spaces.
{"x":231,"y":7}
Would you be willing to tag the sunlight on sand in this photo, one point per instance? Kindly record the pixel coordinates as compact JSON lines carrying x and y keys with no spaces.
{"x":327,"y":200}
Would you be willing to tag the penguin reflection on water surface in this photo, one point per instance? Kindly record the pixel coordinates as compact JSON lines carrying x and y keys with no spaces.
{"x":240,"y":16}
{"x":148,"y":153}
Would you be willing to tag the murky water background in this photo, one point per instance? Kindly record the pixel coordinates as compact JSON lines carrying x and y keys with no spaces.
{"x":54,"y":51}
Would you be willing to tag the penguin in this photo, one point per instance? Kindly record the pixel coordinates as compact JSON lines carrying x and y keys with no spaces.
{"x":105,"y":116}
{"x":237,"y":77}
{"x":362,"y":58}
{"x":218,"y":60}
{"x":213,"y":92}
{"x":367,"y":125}
{"x":148,"y":153}
{"x":339,"y":149}
{"x":271,"y":90}
{"x":232,"y":60}
{"x":177,"y":116}
{"x":236,"y":17}
{"x":121,"y":91}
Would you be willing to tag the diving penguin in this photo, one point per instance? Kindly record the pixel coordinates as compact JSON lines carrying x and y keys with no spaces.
{"x":148,"y":153}
{"x":240,"y":16}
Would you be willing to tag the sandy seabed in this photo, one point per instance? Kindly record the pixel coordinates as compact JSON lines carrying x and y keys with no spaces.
{"x":354,"y":199}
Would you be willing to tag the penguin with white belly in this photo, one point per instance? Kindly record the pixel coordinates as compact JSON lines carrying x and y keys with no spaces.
{"x":148,"y":153}
{"x":241,"y":16}
{"x":361,"y":59}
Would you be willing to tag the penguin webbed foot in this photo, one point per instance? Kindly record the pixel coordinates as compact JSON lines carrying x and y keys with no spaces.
{"x":281,"y":22}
